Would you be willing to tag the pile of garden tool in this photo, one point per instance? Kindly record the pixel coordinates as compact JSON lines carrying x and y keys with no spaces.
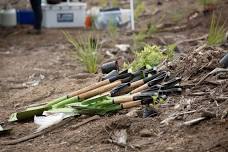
{"x":116,"y":91}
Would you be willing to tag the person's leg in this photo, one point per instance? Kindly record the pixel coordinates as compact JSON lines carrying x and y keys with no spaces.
{"x":36,"y":6}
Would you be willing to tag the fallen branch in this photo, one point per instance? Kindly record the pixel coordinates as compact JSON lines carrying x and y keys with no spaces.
{"x":221,"y":98}
{"x":199,"y":94}
{"x":205,"y":115}
{"x":192,"y":40}
{"x":200,"y":48}
{"x":37,"y":134}
{"x":194,"y":121}
{"x":215,"y":71}
{"x":176,"y":28}
{"x":175,"y":115}
{"x":218,"y":82}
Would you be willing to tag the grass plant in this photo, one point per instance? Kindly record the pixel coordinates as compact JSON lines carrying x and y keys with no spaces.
{"x":140,"y":8}
{"x":86,"y":51}
{"x":216,"y":32}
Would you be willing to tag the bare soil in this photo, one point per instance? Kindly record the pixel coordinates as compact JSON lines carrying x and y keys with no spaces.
{"x":37,"y":68}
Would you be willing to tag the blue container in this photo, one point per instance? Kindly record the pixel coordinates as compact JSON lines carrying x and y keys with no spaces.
{"x":25,"y":16}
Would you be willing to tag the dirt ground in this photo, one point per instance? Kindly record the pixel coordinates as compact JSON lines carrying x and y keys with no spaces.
{"x":38,"y":68}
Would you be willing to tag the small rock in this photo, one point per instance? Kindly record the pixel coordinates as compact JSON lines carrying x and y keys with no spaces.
{"x":169,"y":149}
{"x":132,"y":113}
{"x":120,"y":137}
{"x":122,"y":47}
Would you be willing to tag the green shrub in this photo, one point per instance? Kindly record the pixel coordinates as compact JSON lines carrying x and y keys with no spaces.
{"x":152,"y":56}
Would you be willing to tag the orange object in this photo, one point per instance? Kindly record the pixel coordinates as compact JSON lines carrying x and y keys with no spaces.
{"x":88,"y":22}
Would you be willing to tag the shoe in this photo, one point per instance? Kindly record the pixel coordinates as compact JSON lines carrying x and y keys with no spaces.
{"x":34,"y":32}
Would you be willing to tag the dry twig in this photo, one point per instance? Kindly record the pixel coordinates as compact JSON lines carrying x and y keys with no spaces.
{"x":175,"y":115}
{"x":192,"y":40}
{"x":215,"y":71}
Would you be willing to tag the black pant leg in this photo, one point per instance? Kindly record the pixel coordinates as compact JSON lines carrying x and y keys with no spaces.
{"x":36,"y":7}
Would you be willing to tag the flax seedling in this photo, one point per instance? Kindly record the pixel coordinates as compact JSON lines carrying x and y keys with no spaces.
{"x":177,"y":16}
{"x":138,"y":40}
{"x":140,"y":8}
{"x":217,"y":32}
{"x":86,"y":51}
{"x":112,"y":31}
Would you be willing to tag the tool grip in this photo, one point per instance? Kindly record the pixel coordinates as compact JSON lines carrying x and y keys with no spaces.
{"x":131,"y":104}
{"x":143,"y":87}
{"x":99,"y":90}
{"x":91,"y":87}
{"x":122,"y":99}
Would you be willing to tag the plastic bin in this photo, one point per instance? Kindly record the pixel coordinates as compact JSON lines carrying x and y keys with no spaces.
{"x":64,"y":15}
{"x":25,"y":17}
{"x":116,"y":17}
{"x":1,"y":13}
{"x":9,"y":18}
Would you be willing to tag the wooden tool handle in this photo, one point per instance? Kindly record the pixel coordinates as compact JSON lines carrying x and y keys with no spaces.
{"x":143,"y":87}
{"x":131,"y":104}
{"x":99,"y":90}
{"x":136,"y":94}
{"x":131,"y":87}
{"x":91,"y":87}
{"x":122,"y":99}
{"x":137,"y":83}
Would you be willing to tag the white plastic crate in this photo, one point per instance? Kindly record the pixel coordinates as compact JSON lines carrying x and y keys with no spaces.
{"x":64,"y":15}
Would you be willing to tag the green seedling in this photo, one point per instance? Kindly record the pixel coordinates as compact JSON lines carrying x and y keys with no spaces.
{"x":115,"y":3}
{"x":138,"y":40}
{"x":217,"y":32}
{"x":112,"y":30}
{"x":140,"y":8}
{"x":177,"y":16}
{"x":86,"y":51}
{"x":152,"y":29}
{"x":103,"y":3}
{"x":111,"y":3}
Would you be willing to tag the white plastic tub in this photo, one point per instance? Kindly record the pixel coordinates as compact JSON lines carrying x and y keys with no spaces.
{"x":64,"y":15}
{"x":116,"y":17}
{"x":1,"y":12}
{"x":9,"y":18}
